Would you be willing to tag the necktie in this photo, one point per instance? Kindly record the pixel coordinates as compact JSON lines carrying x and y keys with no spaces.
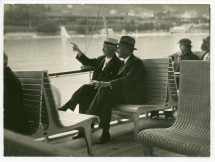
{"x":105,"y":64}
{"x":123,"y":63}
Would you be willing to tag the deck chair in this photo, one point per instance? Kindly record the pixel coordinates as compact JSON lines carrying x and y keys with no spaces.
{"x":190,"y":134}
{"x":43,"y":116}
{"x":19,"y":145}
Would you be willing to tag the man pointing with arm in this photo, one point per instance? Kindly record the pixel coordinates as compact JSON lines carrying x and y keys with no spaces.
{"x":128,"y":87}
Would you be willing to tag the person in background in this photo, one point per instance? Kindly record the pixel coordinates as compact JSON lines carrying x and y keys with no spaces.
{"x":126,"y":88}
{"x":184,"y":54}
{"x":206,"y":47}
{"x":105,"y":69}
{"x":14,"y":115}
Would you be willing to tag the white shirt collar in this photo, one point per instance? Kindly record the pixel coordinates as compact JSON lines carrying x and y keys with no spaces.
{"x":107,"y":59}
{"x":126,"y":59}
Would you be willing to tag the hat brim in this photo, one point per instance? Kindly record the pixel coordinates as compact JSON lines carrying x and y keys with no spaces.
{"x":126,"y":46}
{"x":185,"y":44}
{"x":111,"y":45}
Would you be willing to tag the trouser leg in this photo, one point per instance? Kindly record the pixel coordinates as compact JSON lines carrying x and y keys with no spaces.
{"x":86,"y":99}
{"x":102,"y":105}
{"x":79,"y":95}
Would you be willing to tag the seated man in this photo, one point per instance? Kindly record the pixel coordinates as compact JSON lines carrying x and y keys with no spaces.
{"x":127,"y":88}
{"x":105,"y":69}
{"x":206,"y":47}
{"x":184,"y":54}
{"x":14,"y":116}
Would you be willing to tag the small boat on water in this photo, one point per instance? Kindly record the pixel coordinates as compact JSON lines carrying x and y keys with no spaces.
{"x":20,"y":35}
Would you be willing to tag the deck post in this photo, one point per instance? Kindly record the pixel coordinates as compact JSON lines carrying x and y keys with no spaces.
{"x":147,"y":150}
{"x":87,"y":131}
{"x":136,"y":125}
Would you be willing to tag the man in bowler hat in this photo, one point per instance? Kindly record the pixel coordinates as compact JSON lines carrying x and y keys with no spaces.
{"x":127,"y":88}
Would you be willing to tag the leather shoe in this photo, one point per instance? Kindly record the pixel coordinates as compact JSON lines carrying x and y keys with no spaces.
{"x":62,"y":109}
{"x":154,"y":114}
{"x":79,"y":135}
{"x":168,"y":114}
{"x":105,"y":137}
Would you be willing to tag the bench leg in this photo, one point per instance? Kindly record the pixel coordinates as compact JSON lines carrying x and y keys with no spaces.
{"x":147,"y":115}
{"x":46,"y":139}
{"x":147,"y":150}
{"x":87,"y":131}
{"x":136,"y":125}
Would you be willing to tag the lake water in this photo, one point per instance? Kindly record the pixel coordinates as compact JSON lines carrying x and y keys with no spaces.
{"x":57,"y":55}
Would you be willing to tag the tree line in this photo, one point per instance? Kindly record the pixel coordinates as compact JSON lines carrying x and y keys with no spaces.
{"x":33,"y":18}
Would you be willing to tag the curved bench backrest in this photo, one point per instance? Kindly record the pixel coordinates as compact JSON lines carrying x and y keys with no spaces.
{"x":194,"y":98}
{"x":32,"y":84}
{"x":156,"y":80}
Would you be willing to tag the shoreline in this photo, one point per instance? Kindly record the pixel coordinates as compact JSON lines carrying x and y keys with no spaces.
{"x":14,"y":36}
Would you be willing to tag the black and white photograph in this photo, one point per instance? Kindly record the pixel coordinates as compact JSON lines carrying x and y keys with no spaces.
{"x":107,"y":79}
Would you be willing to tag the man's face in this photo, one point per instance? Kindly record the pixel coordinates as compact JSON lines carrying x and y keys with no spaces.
{"x":184,"y":49}
{"x":122,"y":51}
{"x":108,"y":50}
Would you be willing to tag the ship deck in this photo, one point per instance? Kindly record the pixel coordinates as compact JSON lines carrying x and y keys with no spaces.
{"x":122,"y":143}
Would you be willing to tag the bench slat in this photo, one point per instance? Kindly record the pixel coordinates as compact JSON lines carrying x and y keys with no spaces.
{"x":32,"y":86}
{"x":154,"y":66}
{"x":31,"y":92}
{"x":31,"y":97}
{"x":32,"y":102}
{"x":29,"y":74}
{"x":31,"y":81}
{"x":159,"y":70}
{"x":156,"y":77}
{"x":26,"y":106}
{"x":162,"y":82}
{"x":155,"y":73}
{"x":156,"y":92}
{"x":160,"y":60}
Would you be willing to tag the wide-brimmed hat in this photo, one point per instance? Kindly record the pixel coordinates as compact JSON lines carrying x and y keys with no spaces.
{"x":185,"y":42}
{"x":110,"y":41}
{"x":127,"y":41}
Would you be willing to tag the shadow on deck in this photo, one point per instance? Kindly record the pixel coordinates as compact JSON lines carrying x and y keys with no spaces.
{"x":122,"y":143}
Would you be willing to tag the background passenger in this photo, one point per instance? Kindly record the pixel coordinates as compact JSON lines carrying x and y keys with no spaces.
{"x":184,"y":54}
{"x":14,"y":115}
{"x":206,"y":47}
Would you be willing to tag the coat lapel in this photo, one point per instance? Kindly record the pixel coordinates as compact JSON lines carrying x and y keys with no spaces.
{"x":126,"y":64}
{"x":109,"y":64}
{"x":99,"y":69}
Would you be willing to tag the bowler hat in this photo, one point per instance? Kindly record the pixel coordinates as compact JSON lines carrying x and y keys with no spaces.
{"x":185,"y":42}
{"x":110,"y":41}
{"x":127,"y":41}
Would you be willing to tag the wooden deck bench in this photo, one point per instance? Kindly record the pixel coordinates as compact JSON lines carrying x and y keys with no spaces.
{"x":161,"y":92}
{"x":19,"y":145}
{"x":40,"y":108}
{"x":190,"y":134}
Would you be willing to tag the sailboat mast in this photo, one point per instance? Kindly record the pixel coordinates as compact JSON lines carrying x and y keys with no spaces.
{"x":104,"y":20}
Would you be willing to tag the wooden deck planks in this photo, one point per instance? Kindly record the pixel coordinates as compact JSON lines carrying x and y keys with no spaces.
{"x":122,"y":143}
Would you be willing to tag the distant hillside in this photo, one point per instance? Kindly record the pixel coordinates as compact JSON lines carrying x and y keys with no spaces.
{"x":77,"y":9}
